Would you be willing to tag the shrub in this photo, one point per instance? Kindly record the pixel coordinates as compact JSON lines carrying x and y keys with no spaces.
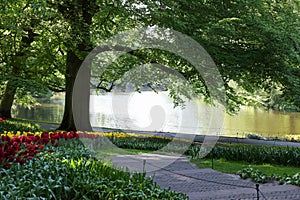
{"x":256,"y":175}
{"x":287,"y":179}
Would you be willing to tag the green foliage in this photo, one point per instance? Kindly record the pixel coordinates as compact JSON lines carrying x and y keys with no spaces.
{"x":15,"y":126}
{"x":259,"y":177}
{"x":255,"y":175}
{"x":26,"y":50}
{"x":233,"y":167}
{"x":101,"y":146}
{"x":288,"y":179}
{"x":70,"y":173}
{"x":255,"y":45}
{"x":255,"y":154}
{"x":153,"y":144}
{"x":287,"y":156}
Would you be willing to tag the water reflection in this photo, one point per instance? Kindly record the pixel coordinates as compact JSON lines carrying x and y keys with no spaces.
{"x":155,"y":111}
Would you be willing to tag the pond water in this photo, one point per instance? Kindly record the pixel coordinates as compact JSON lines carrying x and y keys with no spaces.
{"x":155,"y":112}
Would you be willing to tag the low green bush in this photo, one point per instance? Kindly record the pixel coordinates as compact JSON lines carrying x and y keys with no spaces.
{"x":256,"y":175}
{"x":288,"y":179}
{"x":259,"y":177}
{"x":256,"y":154}
{"x":71,"y":173}
{"x":7,"y":125}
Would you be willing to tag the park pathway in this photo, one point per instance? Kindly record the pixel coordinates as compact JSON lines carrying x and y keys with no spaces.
{"x":180,"y":175}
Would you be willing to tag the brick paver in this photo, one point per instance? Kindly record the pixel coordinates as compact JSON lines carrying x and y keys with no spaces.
{"x":182,"y":176}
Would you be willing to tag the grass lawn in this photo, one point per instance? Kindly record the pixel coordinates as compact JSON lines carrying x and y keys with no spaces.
{"x":233,"y":167}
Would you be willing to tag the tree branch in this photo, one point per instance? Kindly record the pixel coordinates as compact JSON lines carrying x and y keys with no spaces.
{"x":99,"y":86}
{"x":53,"y":89}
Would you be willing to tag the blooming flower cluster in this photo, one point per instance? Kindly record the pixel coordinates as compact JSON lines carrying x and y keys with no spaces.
{"x":95,"y":135}
{"x":115,"y":135}
{"x":292,"y":137}
{"x":21,"y":147}
{"x":2,"y":119}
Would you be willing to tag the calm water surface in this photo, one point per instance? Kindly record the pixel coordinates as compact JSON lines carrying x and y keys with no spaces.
{"x":151,"y":111}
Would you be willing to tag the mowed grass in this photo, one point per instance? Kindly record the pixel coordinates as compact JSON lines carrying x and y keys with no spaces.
{"x":232,"y":167}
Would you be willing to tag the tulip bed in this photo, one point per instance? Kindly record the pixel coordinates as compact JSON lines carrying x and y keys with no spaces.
{"x":56,"y":165}
{"x":99,"y":141}
{"x":21,"y":147}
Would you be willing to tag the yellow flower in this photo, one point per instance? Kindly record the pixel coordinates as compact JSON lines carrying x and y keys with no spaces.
{"x":18,"y":133}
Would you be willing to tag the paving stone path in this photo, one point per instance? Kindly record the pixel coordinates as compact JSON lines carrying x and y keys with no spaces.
{"x":182,"y":176}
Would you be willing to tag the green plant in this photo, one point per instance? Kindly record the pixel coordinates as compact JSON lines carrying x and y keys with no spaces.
{"x":232,"y":167}
{"x":15,"y":126}
{"x":259,"y":177}
{"x":256,"y":154}
{"x":96,"y":142}
{"x":71,"y":173}
{"x":254,"y":174}
{"x":289,"y":179}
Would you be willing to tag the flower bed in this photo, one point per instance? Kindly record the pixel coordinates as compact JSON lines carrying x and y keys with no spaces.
{"x":58,"y":166}
{"x":21,"y":147}
{"x":98,"y":140}
{"x":18,"y":126}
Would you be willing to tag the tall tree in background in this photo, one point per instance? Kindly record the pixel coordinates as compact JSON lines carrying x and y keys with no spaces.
{"x":18,"y":35}
{"x":25,"y":67}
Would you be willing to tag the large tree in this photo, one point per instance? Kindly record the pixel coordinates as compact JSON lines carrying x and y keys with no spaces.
{"x":87,"y":21}
{"x":255,"y":44}
{"x":26,"y":52}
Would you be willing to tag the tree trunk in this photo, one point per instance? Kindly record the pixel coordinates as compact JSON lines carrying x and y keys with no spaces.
{"x":10,"y":91}
{"x":7,"y":100}
{"x":76,"y":101}
{"x":81,"y":98}
{"x":11,"y":88}
{"x":72,"y":67}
